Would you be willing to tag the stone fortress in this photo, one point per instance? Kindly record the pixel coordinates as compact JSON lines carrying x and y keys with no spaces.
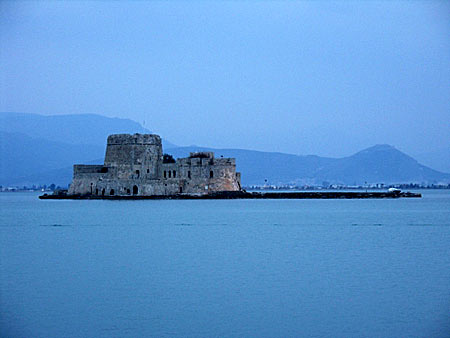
{"x":135,"y":166}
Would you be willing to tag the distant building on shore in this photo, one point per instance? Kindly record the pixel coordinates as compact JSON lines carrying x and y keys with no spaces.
{"x":135,"y":165}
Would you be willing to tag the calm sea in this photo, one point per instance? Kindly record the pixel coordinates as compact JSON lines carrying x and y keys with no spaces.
{"x":225,"y":268}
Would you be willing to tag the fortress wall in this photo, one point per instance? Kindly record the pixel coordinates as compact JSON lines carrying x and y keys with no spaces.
{"x":113,"y":187}
{"x":83,"y":176}
{"x":84,"y":184}
{"x":79,"y":169}
{"x":205,"y":175}
{"x":138,"y":154}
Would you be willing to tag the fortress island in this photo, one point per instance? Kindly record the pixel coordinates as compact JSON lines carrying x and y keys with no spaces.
{"x":135,"y":168}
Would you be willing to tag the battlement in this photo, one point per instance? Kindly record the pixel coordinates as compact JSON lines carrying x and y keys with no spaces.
{"x":139,"y":139}
{"x":201,"y":154}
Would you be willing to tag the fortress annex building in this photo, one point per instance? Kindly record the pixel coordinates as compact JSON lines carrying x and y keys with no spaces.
{"x":135,"y":165}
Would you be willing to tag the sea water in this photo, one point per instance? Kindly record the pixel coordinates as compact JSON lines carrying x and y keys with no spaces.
{"x":225,"y":268}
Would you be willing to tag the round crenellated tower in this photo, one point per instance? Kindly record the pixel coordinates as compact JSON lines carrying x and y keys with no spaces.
{"x":138,"y":154}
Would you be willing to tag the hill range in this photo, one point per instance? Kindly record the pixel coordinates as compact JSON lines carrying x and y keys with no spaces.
{"x":37,"y":149}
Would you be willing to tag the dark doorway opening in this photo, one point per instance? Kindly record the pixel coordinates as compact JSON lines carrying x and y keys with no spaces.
{"x":103,"y":192}
{"x":111,"y":192}
{"x":135,"y":190}
{"x":181,"y":190}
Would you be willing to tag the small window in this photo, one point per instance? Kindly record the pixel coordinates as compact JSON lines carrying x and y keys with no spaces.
{"x":137,"y":173}
{"x":170,"y":174}
{"x":211,"y":174}
{"x":148,"y":171}
{"x":165,"y":174}
{"x":174,"y":174}
{"x":128,"y":191}
{"x":189,"y":174}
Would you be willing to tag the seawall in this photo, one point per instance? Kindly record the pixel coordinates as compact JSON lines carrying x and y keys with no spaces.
{"x":245,"y":195}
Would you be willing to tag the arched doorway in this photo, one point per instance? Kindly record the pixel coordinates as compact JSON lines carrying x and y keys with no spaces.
{"x":135,"y":190}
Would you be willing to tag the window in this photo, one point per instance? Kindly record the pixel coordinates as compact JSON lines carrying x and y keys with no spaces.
{"x":211,"y":174}
{"x":137,"y":173}
{"x":170,"y":174}
{"x":165,"y":175}
{"x":148,"y":171}
{"x":174,"y":174}
{"x":189,"y":174}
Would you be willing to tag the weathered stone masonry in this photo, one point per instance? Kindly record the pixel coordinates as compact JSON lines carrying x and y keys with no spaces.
{"x":134,"y":166}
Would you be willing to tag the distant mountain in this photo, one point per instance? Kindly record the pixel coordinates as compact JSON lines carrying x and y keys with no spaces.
{"x":378,"y":164}
{"x":22,"y":156}
{"x":36,"y":149}
{"x":438,"y":159}
{"x":89,"y":129}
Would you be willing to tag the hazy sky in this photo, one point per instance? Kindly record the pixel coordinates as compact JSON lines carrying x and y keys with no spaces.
{"x":321,"y":77}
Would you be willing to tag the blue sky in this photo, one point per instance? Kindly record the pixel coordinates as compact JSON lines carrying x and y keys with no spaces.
{"x":328,"y":78}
